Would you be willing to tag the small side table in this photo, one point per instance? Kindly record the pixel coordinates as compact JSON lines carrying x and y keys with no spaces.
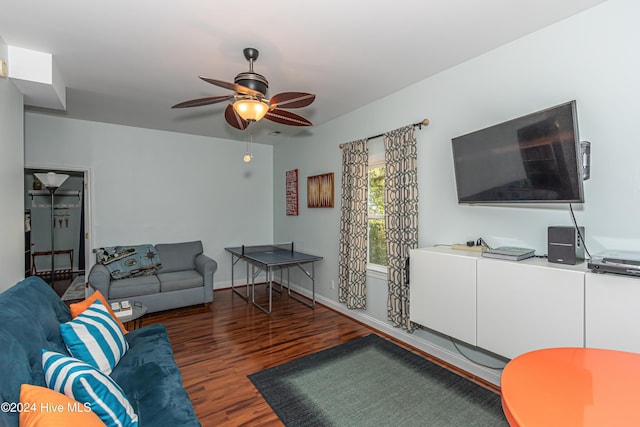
{"x":139,"y":310}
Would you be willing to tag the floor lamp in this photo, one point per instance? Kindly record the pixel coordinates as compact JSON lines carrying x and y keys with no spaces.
{"x":52,"y":181}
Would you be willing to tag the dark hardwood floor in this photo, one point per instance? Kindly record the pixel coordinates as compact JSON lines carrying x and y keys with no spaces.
{"x":217,"y":346}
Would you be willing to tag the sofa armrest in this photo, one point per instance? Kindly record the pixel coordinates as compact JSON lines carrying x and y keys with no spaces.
{"x":100,"y":279}
{"x":207,"y":267}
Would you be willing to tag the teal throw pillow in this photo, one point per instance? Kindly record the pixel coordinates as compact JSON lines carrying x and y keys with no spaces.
{"x":87,"y":385}
{"x":95,"y":338}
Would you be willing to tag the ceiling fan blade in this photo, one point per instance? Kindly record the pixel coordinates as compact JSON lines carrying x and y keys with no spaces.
{"x":232,"y":86}
{"x":208,"y":100}
{"x":286,"y":118}
{"x":291,"y":99}
{"x":234,"y":119}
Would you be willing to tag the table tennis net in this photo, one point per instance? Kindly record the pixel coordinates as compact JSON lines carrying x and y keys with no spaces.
{"x":288,"y":247}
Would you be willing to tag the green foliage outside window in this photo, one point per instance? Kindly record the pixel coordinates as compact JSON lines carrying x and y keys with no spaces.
{"x":376,"y":191}
{"x":377,"y":242}
{"x":377,"y":239}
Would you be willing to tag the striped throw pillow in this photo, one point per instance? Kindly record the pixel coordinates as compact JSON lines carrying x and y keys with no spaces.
{"x":82,"y":382}
{"x":95,"y":337}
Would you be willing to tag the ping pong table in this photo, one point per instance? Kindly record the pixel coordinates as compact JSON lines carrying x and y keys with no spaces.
{"x":269,"y":258}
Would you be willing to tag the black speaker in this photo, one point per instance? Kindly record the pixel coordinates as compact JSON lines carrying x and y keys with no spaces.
{"x":564,"y":245}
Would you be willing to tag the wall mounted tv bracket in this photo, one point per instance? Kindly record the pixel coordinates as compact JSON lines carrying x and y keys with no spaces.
{"x":585,"y":153}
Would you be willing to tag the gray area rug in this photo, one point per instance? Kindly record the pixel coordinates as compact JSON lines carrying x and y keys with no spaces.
{"x":75,"y":290}
{"x":372,"y":382}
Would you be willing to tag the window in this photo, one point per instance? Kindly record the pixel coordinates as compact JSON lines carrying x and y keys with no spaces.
{"x":377,"y":253}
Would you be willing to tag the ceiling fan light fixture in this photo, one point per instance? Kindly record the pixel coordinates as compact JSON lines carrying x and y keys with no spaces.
{"x":250,"y":110}
{"x":249,"y":104}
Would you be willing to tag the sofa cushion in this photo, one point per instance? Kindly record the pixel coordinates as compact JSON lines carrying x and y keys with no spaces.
{"x":180,"y":280}
{"x":95,"y":338}
{"x":86,"y":384}
{"x":152,"y":381}
{"x":179,"y":256}
{"x":73,"y":413}
{"x":132,"y":287}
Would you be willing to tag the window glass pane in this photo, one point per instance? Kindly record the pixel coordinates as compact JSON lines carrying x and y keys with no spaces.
{"x":377,"y":242}
{"x":376,"y":190}
{"x":377,"y":239}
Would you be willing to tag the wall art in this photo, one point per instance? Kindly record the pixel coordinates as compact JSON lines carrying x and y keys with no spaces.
{"x":291,"y":188}
{"x":320,"y":191}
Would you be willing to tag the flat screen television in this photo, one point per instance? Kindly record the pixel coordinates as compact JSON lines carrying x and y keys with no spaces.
{"x":533,"y":159}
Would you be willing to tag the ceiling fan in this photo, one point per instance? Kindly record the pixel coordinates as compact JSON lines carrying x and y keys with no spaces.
{"x":249,"y":103}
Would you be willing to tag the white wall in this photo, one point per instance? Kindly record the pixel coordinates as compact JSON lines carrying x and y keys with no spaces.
{"x":590,"y":57}
{"x":11,"y":181}
{"x":151,"y":186}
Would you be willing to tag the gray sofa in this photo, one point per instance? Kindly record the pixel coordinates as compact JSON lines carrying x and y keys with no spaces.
{"x":185,"y":278}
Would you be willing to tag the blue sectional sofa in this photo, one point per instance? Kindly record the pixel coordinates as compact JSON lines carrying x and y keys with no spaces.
{"x":30,"y":317}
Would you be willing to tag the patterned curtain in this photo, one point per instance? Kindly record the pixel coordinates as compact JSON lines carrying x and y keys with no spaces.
{"x":401,"y":218}
{"x":352,"y":258}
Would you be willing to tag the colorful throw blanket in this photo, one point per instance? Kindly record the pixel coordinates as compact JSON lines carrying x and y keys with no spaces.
{"x":129,"y":261}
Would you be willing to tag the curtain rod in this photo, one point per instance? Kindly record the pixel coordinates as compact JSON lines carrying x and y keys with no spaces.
{"x":424,"y":122}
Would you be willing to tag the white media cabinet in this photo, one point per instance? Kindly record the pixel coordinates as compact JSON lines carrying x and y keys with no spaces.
{"x":512,"y":307}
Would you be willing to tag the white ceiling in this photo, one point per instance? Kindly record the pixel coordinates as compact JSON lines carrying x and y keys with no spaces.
{"x":128,"y":61}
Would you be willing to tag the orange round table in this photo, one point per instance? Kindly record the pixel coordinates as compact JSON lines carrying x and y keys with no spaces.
{"x":572,"y":387}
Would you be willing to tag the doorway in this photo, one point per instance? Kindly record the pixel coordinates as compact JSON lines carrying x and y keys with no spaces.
{"x":69,"y":228}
